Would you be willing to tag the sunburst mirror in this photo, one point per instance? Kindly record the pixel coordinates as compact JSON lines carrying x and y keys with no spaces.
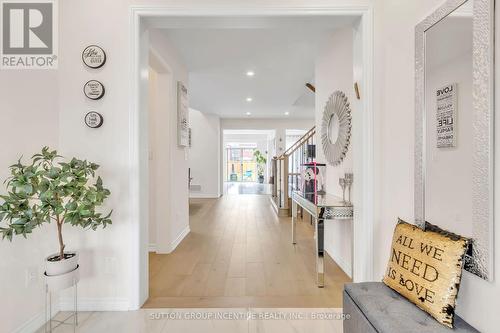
{"x":336,"y":128}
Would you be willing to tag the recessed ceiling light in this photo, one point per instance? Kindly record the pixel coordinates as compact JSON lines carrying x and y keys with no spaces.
{"x":248,"y":113}
{"x":250,"y":73}
{"x":249,"y":99}
{"x":287,"y":113}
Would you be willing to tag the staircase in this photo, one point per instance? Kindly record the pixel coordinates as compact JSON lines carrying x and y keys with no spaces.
{"x":286,"y":171}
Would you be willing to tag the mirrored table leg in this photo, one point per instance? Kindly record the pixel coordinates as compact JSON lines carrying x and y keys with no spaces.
{"x":320,"y":236}
{"x":294,"y":221}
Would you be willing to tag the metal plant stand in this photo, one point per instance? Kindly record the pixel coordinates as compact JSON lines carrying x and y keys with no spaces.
{"x":72,"y":319}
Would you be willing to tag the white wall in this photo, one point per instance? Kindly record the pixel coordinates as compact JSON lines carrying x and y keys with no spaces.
{"x":173,"y":209}
{"x":153,"y":145}
{"x":334,"y":71}
{"x":204,"y":154}
{"x":395,"y":22}
{"x":160,"y":98}
{"x":27,"y":124}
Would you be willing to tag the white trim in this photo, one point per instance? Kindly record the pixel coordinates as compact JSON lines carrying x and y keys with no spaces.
{"x":179,"y":238}
{"x":135,"y":246}
{"x":67,"y":304}
{"x":194,"y":195}
{"x":152,"y":247}
{"x":35,"y":323}
{"x":32,"y":325}
{"x":94,"y":304}
{"x":363,"y":242}
{"x":363,"y":229}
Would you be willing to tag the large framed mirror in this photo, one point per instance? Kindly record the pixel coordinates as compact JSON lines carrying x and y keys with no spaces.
{"x":454,"y":125}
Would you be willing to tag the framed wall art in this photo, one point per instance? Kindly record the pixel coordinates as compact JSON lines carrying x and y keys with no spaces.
{"x":93,"y":89}
{"x":93,"y":56}
{"x":94,"y":119}
{"x":182,"y":116}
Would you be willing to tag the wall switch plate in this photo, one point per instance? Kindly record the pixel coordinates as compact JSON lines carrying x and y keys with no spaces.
{"x":31,"y":276}
{"x":109,"y":265}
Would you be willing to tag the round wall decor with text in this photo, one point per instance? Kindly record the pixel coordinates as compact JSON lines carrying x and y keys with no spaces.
{"x":94,"y":56}
{"x":94,"y":89}
{"x":94,"y":119}
{"x":336,"y":128}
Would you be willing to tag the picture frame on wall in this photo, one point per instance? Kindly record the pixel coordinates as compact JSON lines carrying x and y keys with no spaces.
{"x":446,"y":116}
{"x":94,"y":57}
{"x":182,"y":115}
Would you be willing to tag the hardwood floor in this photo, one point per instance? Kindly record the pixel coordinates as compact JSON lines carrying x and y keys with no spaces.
{"x":239,"y":254}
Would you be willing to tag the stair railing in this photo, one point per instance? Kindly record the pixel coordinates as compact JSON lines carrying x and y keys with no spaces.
{"x":286,"y":172}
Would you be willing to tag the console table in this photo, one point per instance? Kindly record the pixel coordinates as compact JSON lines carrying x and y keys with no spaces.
{"x":321,"y":207}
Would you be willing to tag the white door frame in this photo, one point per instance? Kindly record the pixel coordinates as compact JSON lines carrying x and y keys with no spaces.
{"x":363,"y":228}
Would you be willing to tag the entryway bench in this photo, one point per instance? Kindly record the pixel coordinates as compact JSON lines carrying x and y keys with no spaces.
{"x":374,"y":307}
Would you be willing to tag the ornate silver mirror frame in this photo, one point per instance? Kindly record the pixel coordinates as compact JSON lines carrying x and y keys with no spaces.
{"x":480,"y":262}
{"x":336,"y":128}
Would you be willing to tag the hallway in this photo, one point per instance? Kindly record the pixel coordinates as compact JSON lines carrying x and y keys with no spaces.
{"x":239,"y":254}
{"x":236,"y":188}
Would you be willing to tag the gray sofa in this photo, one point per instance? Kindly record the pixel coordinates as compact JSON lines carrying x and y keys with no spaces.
{"x":374,"y":307}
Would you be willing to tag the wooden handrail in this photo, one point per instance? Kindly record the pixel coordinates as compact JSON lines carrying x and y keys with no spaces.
{"x":286,"y":176}
{"x":297,"y":144}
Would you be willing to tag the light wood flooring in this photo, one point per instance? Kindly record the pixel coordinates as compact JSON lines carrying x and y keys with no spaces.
{"x":239,"y":254}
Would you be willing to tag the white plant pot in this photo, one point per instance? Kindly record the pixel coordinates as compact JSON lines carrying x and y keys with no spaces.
{"x":63,"y":281}
{"x":61,"y":266}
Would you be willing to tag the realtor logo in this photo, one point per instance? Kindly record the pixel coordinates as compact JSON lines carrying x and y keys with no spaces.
{"x":29,"y":34}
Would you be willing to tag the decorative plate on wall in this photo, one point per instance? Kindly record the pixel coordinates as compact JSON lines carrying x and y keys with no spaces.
{"x":94,"y":56}
{"x":94,"y":89}
{"x":94,"y":119}
{"x":336,"y":128}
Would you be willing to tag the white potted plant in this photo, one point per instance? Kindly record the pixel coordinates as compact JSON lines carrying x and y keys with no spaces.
{"x":49,"y":190}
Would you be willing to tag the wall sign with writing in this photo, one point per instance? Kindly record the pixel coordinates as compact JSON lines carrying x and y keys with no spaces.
{"x":94,"y":119}
{"x":94,"y":56}
{"x":426,"y":268}
{"x":182,"y":115}
{"x":94,"y":89}
{"x":446,"y":116}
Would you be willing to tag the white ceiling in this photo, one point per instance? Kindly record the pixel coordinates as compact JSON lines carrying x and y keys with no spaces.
{"x":219,"y":51}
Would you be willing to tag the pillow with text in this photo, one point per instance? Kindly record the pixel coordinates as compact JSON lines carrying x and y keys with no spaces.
{"x":426,"y":268}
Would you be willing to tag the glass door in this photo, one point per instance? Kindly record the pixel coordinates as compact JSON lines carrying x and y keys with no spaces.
{"x":241,"y":165}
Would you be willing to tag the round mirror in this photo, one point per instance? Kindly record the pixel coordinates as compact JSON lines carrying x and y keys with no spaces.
{"x":333,"y":129}
{"x":336,"y":128}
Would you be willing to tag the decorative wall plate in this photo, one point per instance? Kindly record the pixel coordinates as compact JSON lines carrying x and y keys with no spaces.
{"x":94,"y":56}
{"x":94,"y":89}
{"x":336,"y":128}
{"x":94,"y":119}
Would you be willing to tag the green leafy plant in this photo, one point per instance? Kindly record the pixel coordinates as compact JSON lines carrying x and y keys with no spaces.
{"x":49,"y":190}
{"x":261,"y":162}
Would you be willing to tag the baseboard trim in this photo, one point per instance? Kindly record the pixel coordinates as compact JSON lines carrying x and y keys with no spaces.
{"x":203,"y":196}
{"x":152,"y":247}
{"x":281,"y":212}
{"x":34,"y":324}
{"x":179,"y":238}
{"x":67,"y":304}
{"x":94,"y":304}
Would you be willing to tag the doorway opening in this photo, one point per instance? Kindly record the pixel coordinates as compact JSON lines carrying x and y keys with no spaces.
{"x":222,"y":244}
{"x":247,"y":160}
